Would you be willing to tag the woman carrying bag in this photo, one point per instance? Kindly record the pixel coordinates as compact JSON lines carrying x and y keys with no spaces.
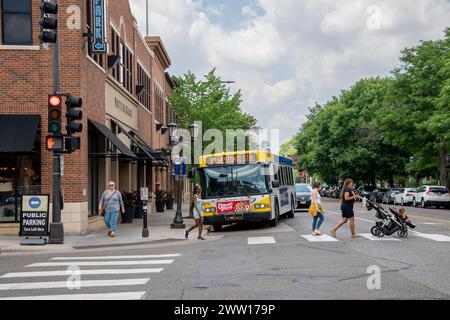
{"x":316,"y":210}
{"x":110,"y":205}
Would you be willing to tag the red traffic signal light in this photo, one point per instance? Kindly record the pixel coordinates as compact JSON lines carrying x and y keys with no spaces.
{"x":54,"y":100}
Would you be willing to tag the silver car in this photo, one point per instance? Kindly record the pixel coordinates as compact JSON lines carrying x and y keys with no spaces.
{"x":303,"y":195}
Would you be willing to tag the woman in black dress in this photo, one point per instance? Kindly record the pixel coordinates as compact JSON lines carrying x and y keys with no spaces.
{"x":348,"y":199}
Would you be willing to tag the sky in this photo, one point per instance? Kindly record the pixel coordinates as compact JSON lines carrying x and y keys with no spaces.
{"x":286,"y":55}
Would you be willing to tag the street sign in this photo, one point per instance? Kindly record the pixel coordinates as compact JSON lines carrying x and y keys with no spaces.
{"x":99,"y":43}
{"x":34,"y":216}
{"x":144,"y":194}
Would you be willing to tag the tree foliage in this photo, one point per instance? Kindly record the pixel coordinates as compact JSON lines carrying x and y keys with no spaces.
{"x":210,"y":102}
{"x":385,"y":127}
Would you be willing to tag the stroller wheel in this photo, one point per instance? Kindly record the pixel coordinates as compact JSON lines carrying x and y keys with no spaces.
{"x":377,"y":232}
{"x":403,"y":233}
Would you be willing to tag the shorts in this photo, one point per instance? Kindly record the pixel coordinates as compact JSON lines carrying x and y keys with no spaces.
{"x":197,"y":215}
{"x":347,"y":212}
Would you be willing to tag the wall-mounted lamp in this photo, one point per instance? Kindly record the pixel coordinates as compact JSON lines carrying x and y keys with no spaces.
{"x":139,"y":89}
{"x":113,"y":60}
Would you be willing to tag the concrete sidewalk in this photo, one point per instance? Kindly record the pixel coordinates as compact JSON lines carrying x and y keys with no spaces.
{"x":127,"y":235}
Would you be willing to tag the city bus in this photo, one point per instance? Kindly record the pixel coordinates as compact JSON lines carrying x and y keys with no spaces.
{"x":246,"y":186}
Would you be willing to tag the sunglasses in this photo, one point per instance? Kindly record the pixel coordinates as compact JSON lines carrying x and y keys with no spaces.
{"x":111,"y":185}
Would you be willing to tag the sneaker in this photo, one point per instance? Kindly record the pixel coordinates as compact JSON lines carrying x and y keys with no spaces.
{"x":113,"y":235}
{"x":201,"y":238}
{"x":186,"y":234}
{"x":318,"y":233}
{"x":109,"y":233}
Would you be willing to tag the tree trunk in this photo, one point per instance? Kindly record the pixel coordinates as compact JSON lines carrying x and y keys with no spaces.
{"x":443,"y":168}
{"x":391,"y":182}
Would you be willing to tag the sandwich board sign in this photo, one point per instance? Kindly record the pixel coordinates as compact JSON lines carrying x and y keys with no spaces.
{"x":34,"y":218}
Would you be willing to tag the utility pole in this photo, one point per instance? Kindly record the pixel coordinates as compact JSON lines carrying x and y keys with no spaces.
{"x":56,"y":227}
{"x":147,"y":17}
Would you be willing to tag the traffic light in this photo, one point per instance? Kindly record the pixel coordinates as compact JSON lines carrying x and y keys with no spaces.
{"x":54,"y":114}
{"x":54,"y":143}
{"x":72,"y":143}
{"x":74,"y":115}
{"x":49,"y":25}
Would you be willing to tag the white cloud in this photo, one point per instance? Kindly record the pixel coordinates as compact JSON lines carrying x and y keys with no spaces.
{"x":293,"y":52}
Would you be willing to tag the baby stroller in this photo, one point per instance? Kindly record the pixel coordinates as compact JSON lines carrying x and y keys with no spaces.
{"x":389,"y":223}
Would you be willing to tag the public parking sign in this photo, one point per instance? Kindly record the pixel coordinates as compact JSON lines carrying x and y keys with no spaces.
{"x":34,"y":216}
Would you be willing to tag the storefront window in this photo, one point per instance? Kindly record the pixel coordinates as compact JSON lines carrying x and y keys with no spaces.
{"x":19,"y":175}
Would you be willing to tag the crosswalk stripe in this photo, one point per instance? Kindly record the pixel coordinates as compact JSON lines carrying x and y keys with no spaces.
{"x":96,"y":296}
{"x":64,"y":284}
{"x":434,"y":237}
{"x":99,"y":263}
{"x":322,"y":238}
{"x":160,"y":256}
{"x":81,"y":273}
{"x":371,"y":237}
{"x":261,"y":240}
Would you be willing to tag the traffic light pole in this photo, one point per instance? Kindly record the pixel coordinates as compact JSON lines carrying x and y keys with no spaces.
{"x":56,"y":227}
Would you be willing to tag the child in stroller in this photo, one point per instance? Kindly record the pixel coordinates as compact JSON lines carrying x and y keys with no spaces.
{"x":388,"y":224}
{"x":406,"y":218}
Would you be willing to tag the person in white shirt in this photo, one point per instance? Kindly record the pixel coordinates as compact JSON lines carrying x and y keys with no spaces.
{"x":316,"y":200}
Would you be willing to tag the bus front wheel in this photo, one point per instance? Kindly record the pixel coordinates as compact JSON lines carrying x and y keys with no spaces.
{"x":274,"y":222}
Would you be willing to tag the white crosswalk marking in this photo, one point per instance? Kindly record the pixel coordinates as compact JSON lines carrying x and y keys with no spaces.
{"x":81,"y":273}
{"x":371,"y":237}
{"x":261,"y":240}
{"x":84,"y":278}
{"x":85,"y":297}
{"x":99,"y":263}
{"x":158,"y":256}
{"x":63,"y":284}
{"x":322,"y":238}
{"x":434,"y":237}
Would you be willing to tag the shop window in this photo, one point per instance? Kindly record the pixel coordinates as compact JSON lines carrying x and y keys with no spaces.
{"x":16,"y":22}
{"x":144,"y":79}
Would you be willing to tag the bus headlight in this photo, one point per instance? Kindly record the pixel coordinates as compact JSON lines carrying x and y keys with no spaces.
{"x":210,"y":210}
{"x":260,"y":206}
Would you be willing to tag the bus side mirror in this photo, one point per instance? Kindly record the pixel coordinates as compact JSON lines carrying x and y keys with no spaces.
{"x":275,"y":184}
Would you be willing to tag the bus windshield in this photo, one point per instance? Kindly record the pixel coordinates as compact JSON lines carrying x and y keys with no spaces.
{"x":233,"y":181}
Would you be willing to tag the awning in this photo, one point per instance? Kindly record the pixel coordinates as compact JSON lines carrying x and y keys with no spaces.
{"x":113,"y":139}
{"x":147,"y":153}
{"x":18,"y":132}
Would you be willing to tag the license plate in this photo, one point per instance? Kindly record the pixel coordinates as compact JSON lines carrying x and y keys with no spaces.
{"x":303,"y":202}
{"x":235,"y":217}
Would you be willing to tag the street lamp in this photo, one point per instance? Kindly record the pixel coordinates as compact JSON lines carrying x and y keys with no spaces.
{"x":178,"y":221}
{"x":194,"y":130}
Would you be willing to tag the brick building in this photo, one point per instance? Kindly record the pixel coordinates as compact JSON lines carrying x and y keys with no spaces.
{"x":125,"y":109}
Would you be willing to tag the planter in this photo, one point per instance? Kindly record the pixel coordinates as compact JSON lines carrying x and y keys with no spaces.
{"x":160,"y":206}
{"x":129,"y":214}
{"x":169,"y":205}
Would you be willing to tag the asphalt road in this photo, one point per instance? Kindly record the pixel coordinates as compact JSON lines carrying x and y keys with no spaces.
{"x":252,"y":262}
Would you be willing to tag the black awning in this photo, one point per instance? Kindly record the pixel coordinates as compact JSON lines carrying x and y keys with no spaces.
{"x":18,"y":132}
{"x":146,"y":153}
{"x":113,"y":139}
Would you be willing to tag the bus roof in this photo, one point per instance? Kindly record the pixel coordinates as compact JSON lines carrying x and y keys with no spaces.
{"x":243,"y":157}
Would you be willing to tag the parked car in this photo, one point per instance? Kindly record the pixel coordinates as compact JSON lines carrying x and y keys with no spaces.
{"x":432,"y":196}
{"x":303,"y":195}
{"x":405,"y":196}
{"x":389,"y":196}
{"x":366,"y":191}
{"x":377,"y":195}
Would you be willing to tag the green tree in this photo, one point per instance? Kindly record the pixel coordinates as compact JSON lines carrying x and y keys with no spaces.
{"x":416,"y":115}
{"x":210,"y":102}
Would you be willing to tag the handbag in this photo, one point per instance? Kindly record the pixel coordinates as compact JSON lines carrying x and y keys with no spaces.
{"x":102,"y":213}
{"x":313,"y":210}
